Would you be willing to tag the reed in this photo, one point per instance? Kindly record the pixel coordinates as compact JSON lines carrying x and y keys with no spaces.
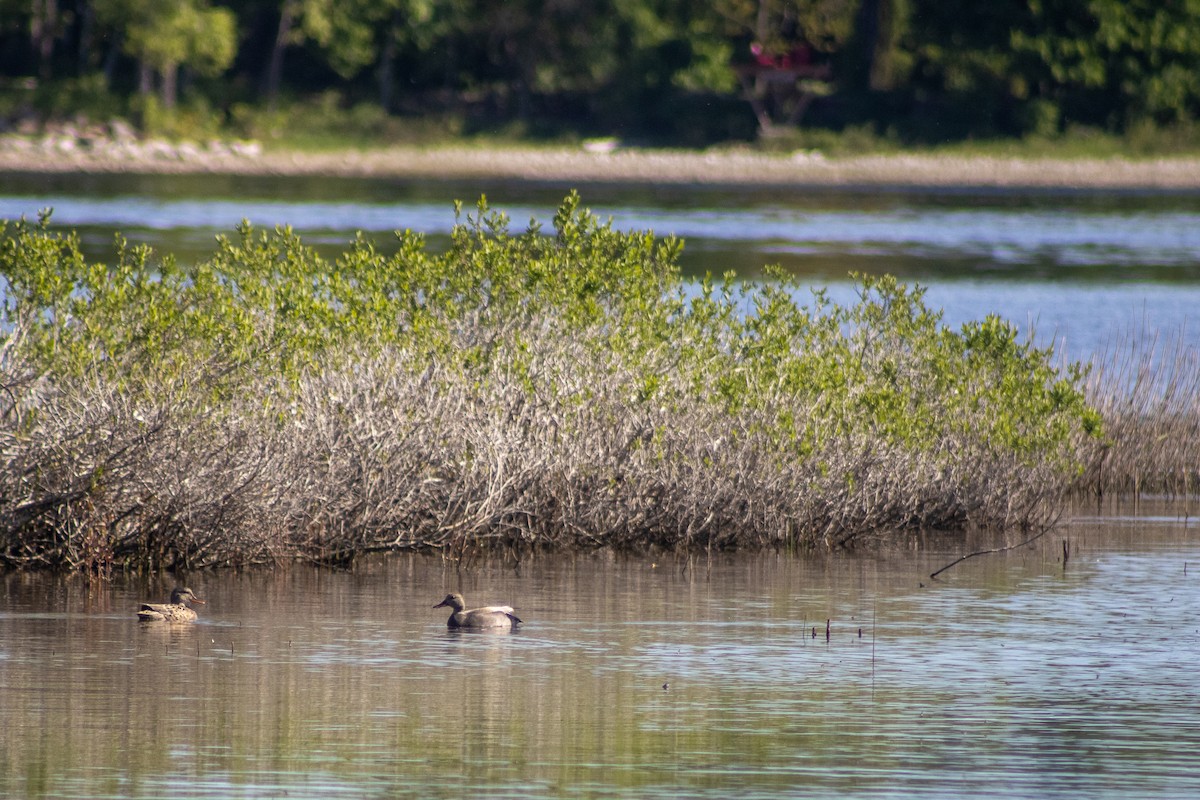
{"x":1146,"y":386}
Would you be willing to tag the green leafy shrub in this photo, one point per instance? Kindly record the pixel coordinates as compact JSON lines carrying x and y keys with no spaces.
{"x":562,"y":388}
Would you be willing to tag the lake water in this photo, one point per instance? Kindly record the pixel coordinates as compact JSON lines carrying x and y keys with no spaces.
{"x":1080,"y":269}
{"x":1011,"y":676}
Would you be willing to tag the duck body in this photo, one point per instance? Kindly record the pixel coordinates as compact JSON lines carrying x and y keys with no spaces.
{"x":178,"y":610}
{"x":477,"y":618}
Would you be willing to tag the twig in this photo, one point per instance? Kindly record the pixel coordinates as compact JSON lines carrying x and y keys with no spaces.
{"x":989,"y":552}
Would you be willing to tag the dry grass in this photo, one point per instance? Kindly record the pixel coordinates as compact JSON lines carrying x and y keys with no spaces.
{"x":1147,"y":388}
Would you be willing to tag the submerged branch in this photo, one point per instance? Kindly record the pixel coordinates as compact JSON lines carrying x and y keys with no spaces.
{"x":989,"y":552}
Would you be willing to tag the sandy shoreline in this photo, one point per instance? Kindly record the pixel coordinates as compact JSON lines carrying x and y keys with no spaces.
{"x":679,"y":168}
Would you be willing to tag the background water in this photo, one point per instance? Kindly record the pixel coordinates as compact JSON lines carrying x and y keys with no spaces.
{"x":1011,"y":676}
{"x":1082,"y":270}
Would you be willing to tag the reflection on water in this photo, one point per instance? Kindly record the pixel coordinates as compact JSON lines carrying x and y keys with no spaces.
{"x":633,"y":676}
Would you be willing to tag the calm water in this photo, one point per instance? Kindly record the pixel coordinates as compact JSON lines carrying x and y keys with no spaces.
{"x":1010,"y":677}
{"x":1079,"y":269}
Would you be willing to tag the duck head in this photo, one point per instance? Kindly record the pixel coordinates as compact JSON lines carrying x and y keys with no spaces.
{"x":454,"y":601}
{"x":182,"y":596}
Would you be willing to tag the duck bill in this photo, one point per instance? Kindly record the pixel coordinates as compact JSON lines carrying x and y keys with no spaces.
{"x":197,"y":600}
{"x":441,"y":604}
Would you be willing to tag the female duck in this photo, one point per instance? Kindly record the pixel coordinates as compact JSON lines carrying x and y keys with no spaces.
{"x":485,"y":617}
{"x":177,"y":610}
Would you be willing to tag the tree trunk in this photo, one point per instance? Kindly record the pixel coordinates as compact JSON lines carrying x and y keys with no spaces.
{"x":109,"y":67}
{"x":170,"y":85}
{"x":866,"y":32}
{"x":145,"y":78}
{"x":880,"y":25}
{"x":42,"y":20}
{"x":762,"y":21}
{"x":87,"y":24}
{"x":387,"y":64}
{"x":283,"y":36}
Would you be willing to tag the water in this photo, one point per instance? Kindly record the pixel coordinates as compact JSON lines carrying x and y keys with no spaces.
{"x":633,"y":676}
{"x":1079,"y":270}
{"x":1010,"y":677}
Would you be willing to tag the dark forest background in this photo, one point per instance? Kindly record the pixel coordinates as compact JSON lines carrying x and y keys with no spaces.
{"x":656,"y":72}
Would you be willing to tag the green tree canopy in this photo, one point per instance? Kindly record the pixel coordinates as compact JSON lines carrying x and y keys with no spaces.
{"x":1136,"y":58}
{"x":651,"y":68}
{"x":167,"y":36}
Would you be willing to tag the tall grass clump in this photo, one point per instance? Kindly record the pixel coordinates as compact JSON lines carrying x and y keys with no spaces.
{"x":559,"y":388}
{"x":1146,"y":385}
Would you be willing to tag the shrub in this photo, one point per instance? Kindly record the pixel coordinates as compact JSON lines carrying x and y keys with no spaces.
{"x":559,"y":389}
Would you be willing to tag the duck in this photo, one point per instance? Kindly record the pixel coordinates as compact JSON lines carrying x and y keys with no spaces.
{"x":178,"y":610}
{"x":484,"y":617}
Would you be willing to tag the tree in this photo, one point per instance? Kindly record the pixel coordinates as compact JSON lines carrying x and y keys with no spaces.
{"x":536,"y":47}
{"x":351,"y":36}
{"x":879,"y":30}
{"x":788,"y":63}
{"x":284,"y":36}
{"x":167,"y":36}
{"x":1141,"y":58}
{"x":965,"y":77}
{"x":43,"y":30}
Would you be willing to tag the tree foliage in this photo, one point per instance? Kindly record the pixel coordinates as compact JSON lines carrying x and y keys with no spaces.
{"x":665,"y":68}
{"x":164,"y":37}
{"x":1140,"y":59}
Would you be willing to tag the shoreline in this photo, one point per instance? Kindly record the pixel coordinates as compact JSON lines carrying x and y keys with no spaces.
{"x":632,"y":166}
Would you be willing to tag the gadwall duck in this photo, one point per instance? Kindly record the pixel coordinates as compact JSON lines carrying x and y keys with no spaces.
{"x":485,"y":617}
{"x":177,"y":610}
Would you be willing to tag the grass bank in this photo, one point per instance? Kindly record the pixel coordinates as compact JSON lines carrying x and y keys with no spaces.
{"x":523,"y":389}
